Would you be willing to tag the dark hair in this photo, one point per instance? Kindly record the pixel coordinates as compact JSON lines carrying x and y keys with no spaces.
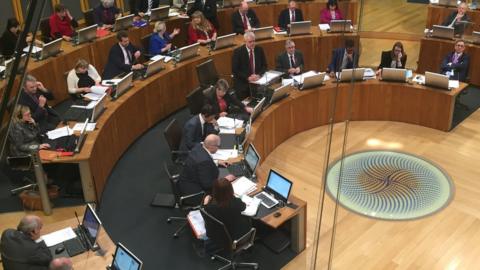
{"x":59,"y":7}
{"x":349,"y":43}
{"x":222,"y":192}
{"x":207,"y":110}
{"x":332,"y":3}
{"x":122,"y":34}
{"x":12,"y":22}
{"x":400,"y":45}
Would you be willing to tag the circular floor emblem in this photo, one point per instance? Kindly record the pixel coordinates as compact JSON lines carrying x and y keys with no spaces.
{"x":390,"y":185}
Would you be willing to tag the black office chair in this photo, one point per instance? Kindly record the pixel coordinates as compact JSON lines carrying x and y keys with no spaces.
{"x":22,"y":168}
{"x":145,"y":41}
{"x":207,"y":73}
{"x":173,"y":136}
{"x":195,"y":101}
{"x":219,"y":235}
{"x":88,"y":16}
{"x":167,"y":199}
{"x":45,"y":29}
{"x":185,"y":202}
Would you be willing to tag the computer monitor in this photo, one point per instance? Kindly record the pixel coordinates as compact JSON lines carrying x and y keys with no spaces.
{"x":51,"y":49}
{"x":257,"y":109}
{"x":394,"y":74}
{"x":86,"y":34}
{"x":123,"y":85}
{"x":300,"y":28}
{"x":186,"y":52}
{"x":124,"y":259}
{"x":279,"y":93}
{"x":207,"y":73}
{"x":263,"y":32}
{"x":441,"y":31}
{"x":160,"y":13}
{"x":153,"y":67}
{"x":340,"y":26}
{"x":278,"y":185}
{"x":252,"y":158}
{"x":9,"y":65}
{"x":312,"y":81}
{"x":224,"y":41}
{"x":98,"y":108}
{"x":91,"y":225}
{"x":123,"y":22}
{"x":348,"y":74}
{"x":81,"y":138}
{"x":436,"y":80}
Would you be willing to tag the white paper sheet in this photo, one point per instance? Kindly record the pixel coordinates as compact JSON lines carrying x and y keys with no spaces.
{"x":167,"y":59}
{"x":110,"y":82}
{"x":224,"y":154}
{"x":92,"y":96}
{"x":228,"y":122}
{"x":268,"y":77}
{"x":34,"y":50}
{"x":59,"y":132}
{"x":453,"y":84}
{"x":243,"y":186}
{"x":98,"y":89}
{"x":173,"y":13}
{"x":79,"y":126}
{"x":324,"y":26}
{"x":420,"y":79}
{"x":58,"y":237}
{"x":157,"y":57}
{"x":252,"y":205}
{"x":227,"y":130}
{"x":301,"y":77}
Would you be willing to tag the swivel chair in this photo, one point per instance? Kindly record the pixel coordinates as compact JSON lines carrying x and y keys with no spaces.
{"x":173,"y":136}
{"x":145,"y":41}
{"x":195,"y":101}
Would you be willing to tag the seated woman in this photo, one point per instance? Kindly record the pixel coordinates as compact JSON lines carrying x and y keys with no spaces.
{"x":82,"y":78}
{"x":62,"y":23}
{"x":105,"y":14}
{"x":331,"y":12}
{"x":396,"y":58}
{"x":160,"y":41}
{"x":224,"y":104}
{"x":201,"y":30}
{"x":225,"y":207}
{"x":10,"y":37}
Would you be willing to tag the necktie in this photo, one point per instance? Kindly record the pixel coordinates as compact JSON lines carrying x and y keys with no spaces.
{"x":293,"y":15}
{"x":252,"y":65}
{"x":455,"y":58}
{"x":245,"y":23}
{"x":292,"y":61}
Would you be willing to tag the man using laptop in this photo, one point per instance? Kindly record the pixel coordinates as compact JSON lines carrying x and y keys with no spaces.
{"x":122,"y":57}
{"x":290,"y":62}
{"x":290,"y":14}
{"x":244,"y":19}
{"x":456,"y":63}
{"x":248,"y":65}
{"x":198,"y":127}
{"x":20,"y":249}
{"x":200,"y":170}
{"x":343,"y":58}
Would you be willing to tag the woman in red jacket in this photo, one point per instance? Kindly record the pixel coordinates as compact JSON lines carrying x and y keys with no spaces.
{"x":201,"y":30}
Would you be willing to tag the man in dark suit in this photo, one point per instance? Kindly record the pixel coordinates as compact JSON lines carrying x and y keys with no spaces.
{"x":343,"y":58}
{"x":200,"y":169}
{"x":290,"y":61}
{"x":244,"y":20}
{"x":121,"y":57}
{"x":34,"y":95}
{"x":144,"y":6}
{"x":19,"y":248}
{"x":198,"y":127}
{"x":290,"y":14}
{"x":458,"y":19}
{"x":209,"y":10}
{"x":248,"y":65}
{"x":456,"y":63}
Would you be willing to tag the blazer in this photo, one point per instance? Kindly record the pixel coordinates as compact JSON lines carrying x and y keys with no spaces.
{"x":8,"y":42}
{"x":337,"y":58}
{"x":209,"y":10}
{"x":230,"y":99}
{"x":237,"y":22}
{"x":387,"y":60}
{"x":460,"y":69}
{"x":282,"y":62}
{"x":194,"y":35}
{"x":284,"y":17}
{"x":24,"y":138}
{"x":116,"y":63}
{"x":199,"y":172}
{"x":72,"y":79}
{"x":39,"y":114}
{"x":157,"y":43}
{"x":241,"y":68}
{"x":231,"y":216}
{"x":102,"y":15}
{"x":459,"y":27}
{"x":192,"y":132}
{"x":20,"y":252}
{"x":142,"y":5}
{"x":326,"y":17}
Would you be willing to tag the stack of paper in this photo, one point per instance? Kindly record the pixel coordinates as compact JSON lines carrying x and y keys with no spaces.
{"x":58,"y":237}
{"x":92,"y":96}
{"x":59,"y":132}
{"x":157,"y":57}
{"x":268,"y":77}
{"x":79,"y":126}
{"x":228,"y":122}
{"x":225,"y":154}
{"x":453,"y":84}
{"x":197,"y":224}
{"x":243,"y":186}
{"x":252,"y":205}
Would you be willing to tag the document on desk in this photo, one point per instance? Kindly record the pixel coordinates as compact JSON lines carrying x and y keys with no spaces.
{"x":59,"y":132}
{"x":197,"y":224}
{"x":58,"y":237}
{"x":92,"y":96}
{"x":89,"y":106}
{"x":420,"y":79}
{"x":453,"y":84}
{"x":98,"y":89}
{"x":224,"y":154}
{"x":157,"y":57}
{"x":268,"y":77}
{"x":35,"y":49}
{"x":243,"y":186}
{"x":79,"y":126}
{"x":228,"y":122}
{"x":252,"y":205}
{"x":324,"y":26}
{"x":223,"y":130}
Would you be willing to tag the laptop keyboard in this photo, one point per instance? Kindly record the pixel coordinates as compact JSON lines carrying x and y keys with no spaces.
{"x":77,"y":114}
{"x":236,"y":169}
{"x":269,"y":203}
{"x":74,"y":246}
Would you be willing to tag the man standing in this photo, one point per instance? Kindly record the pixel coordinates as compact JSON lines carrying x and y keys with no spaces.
{"x":122,"y":57}
{"x":19,"y":247}
{"x":456,"y":63}
{"x":290,"y":62}
{"x":290,"y":14}
{"x":244,"y":20}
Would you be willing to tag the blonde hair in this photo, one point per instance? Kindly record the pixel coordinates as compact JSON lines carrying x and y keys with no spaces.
{"x":159,"y":26}
{"x":204,"y":23}
{"x":81,"y":63}
{"x":18,"y":113}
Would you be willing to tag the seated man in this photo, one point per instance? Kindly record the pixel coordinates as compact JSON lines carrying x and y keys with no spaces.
{"x":198,"y":127}
{"x":62,"y":23}
{"x":106,"y":13}
{"x":248,"y":65}
{"x":343,"y":58}
{"x":200,"y":170}
{"x":290,"y":61}
{"x":458,"y":19}
{"x":20,"y":249}
{"x":290,"y":14}
{"x":34,"y":95}
{"x":244,"y":20}
{"x":121,"y":57}
{"x":224,"y":104}
{"x":456,"y":63}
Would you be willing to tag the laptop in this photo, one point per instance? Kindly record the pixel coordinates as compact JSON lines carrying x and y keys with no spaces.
{"x":248,"y":165}
{"x":476,"y":37}
{"x":79,"y":114}
{"x":263,"y":33}
{"x":436,"y":80}
{"x":9,"y":66}
{"x":122,"y":86}
{"x":440,"y":31}
{"x":277,"y":94}
{"x":231,"y":3}
{"x":123,"y":22}
{"x":348,"y":74}
{"x":159,"y":13}
{"x":448,"y":3}
{"x":187,"y":52}
{"x":71,"y":143}
{"x":312,"y":81}
{"x":340,"y":26}
{"x":224,"y":41}
{"x":51,"y":49}
{"x":277,"y":189}
{"x":150,"y":69}
{"x":124,"y":259}
{"x":86,"y":34}
{"x":86,"y":232}
{"x":394,"y":74}
{"x":299,"y":28}
{"x":257,"y":110}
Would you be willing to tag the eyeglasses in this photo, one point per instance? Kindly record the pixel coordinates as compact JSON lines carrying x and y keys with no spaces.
{"x":460,"y":45}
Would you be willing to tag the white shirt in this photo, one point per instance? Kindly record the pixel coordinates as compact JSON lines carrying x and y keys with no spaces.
{"x":125,"y":55}
{"x":72,"y":79}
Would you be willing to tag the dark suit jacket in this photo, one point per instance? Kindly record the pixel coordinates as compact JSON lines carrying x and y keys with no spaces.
{"x":116,"y":63}
{"x":142,"y":5}
{"x":192,"y":133}
{"x":209,"y":10}
{"x":387,"y":60}
{"x":199,"y":172}
{"x":337,"y":58}
{"x":43,"y":116}
{"x":284,"y":17}
{"x":282,"y":63}
{"x":231,"y":215}
{"x":230,"y":99}
{"x":241,"y":68}
{"x":459,"y":27}
{"x":460,"y":69}
{"x":20,"y":252}
{"x":237,"y":22}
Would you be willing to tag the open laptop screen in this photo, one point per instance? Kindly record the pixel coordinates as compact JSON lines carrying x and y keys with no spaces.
{"x":91,"y":223}
{"x":125,"y":260}
{"x":280,"y":185}
{"x":252,"y":158}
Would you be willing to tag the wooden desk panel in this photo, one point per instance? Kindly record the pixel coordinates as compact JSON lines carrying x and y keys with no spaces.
{"x":437,"y":14}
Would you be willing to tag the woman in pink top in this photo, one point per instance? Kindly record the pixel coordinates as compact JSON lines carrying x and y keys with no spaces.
{"x":331,"y":12}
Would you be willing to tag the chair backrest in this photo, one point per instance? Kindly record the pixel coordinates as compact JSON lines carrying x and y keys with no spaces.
{"x":45,"y":29}
{"x":217,"y":232}
{"x":145,"y":41}
{"x":173,"y":178}
{"x":207,"y":73}
{"x":88,"y":16}
{"x":173,"y":136}
{"x":195,"y":101}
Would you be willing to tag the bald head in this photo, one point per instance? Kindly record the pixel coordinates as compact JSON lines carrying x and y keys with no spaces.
{"x":212,"y":143}
{"x":30,"y":225}
{"x":61,"y":264}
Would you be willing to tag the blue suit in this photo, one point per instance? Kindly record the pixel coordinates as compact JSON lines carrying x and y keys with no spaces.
{"x":460,"y":69}
{"x":157,"y":43}
{"x":337,"y":58}
{"x":116,"y":61}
